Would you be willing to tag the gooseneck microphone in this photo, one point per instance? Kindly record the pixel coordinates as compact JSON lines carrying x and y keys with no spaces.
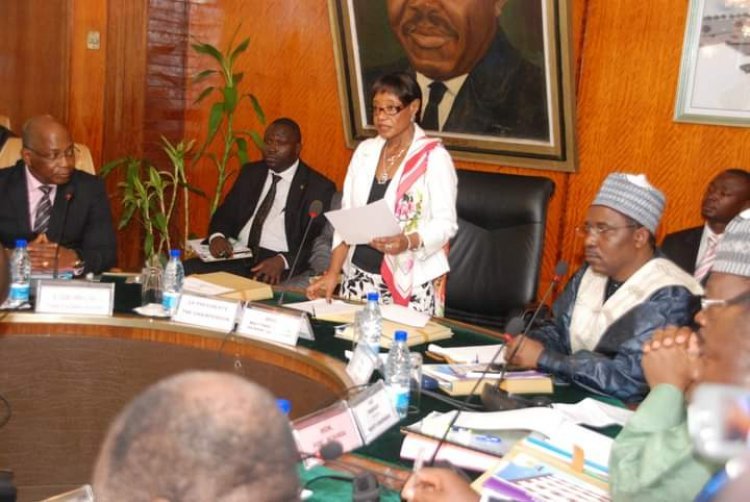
{"x":68,"y":197}
{"x":515,"y":325}
{"x":493,"y":397}
{"x":329,"y":451}
{"x":315,"y":209}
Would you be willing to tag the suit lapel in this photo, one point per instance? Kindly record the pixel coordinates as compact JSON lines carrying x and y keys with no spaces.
{"x":293,"y":205}
{"x":20,"y":198}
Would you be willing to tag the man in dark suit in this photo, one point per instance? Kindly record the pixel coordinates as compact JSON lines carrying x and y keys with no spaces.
{"x":40,"y":188}
{"x":268,"y":208}
{"x":474,"y":81}
{"x":693,"y":249}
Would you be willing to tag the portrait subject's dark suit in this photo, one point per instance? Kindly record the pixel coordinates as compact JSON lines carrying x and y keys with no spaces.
{"x":88,"y":229}
{"x":504,"y":95}
{"x":682,"y":247}
{"x":242,"y":199}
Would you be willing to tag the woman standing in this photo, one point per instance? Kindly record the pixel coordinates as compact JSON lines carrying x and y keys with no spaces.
{"x":416,"y":177}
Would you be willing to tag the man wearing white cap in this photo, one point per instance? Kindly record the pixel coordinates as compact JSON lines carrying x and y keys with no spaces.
{"x":653,"y":457}
{"x":613,"y":304}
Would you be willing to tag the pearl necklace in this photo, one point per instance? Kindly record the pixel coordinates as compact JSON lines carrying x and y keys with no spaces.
{"x":390,"y":161}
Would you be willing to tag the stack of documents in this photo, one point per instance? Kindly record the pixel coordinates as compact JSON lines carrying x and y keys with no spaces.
{"x":459,"y":379}
{"x":226,"y":285}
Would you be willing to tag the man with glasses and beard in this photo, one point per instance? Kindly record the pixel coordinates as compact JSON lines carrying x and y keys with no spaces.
{"x":36,"y":193}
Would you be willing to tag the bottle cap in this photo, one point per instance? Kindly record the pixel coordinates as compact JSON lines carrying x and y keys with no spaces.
{"x":373,"y":297}
{"x":174,"y":253}
{"x":400,"y":336}
{"x":21,"y":243}
{"x":284,"y":405}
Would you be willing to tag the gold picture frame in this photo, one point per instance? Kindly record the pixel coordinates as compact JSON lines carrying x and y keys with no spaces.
{"x":536,"y":34}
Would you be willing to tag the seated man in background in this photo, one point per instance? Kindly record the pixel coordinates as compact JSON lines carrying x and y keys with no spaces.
{"x":36,"y":193}
{"x":652,"y":458}
{"x":268,"y":209}
{"x":613,"y":304}
{"x":199,"y":436}
{"x":694,"y":249}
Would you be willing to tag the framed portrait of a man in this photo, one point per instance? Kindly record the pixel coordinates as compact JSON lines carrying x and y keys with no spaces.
{"x":495,"y":75}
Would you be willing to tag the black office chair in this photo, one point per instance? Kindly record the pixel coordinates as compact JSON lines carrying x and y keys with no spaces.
{"x":496,"y":255}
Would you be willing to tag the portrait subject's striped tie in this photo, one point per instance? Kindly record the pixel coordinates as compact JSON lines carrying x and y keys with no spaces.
{"x":709,"y":257}
{"x":43,"y":211}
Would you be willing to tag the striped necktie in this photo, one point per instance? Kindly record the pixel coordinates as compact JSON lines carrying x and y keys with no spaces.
{"x":43,"y":211}
{"x":702,"y":270}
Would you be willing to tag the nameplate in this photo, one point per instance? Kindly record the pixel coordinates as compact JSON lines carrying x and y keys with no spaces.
{"x":207,"y":312}
{"x":362,"y":364}
{"x":275,"y":324}
{"x":334,"y":423}
{"x":74,"y":297}
{"x":373,"y":411}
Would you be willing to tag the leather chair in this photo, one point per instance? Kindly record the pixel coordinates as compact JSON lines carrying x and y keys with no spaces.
{"x":496,"y":254}
{"x":11,"y":153}
{"x":5,"y":121}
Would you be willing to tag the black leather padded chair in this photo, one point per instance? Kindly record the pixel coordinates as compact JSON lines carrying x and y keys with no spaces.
{"x":496,"y":255}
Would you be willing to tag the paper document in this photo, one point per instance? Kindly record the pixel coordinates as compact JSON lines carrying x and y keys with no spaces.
{"x":239,"y":251}
{"x":360,"y":225}
{"x":320,"y":308}
{"x":192,"y":284}
{"x":594,"y":413}
{"x":468,"y":355}
{"x":404,"y":315}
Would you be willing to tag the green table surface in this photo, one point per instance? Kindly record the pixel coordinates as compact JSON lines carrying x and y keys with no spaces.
{"x":387,"y":447}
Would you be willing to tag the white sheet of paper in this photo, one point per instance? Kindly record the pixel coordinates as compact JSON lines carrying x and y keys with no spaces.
{"x":201,"y":287}
{"x":360,"y":225}
{"x":594,"y":413}
{"x":469,"y":354}
{"x":404,"y":315}
{"x":321,"y":308}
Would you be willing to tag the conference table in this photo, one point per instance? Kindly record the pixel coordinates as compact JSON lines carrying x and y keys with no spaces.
{"x":66,"y":377}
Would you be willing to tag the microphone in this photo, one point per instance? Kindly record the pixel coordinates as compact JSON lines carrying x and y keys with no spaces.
{"x":495,"y":398}
{"x":315,"y":208}
{"x":329,"y":451}
{"x":514,"y":326}
{"x":68,"y":197}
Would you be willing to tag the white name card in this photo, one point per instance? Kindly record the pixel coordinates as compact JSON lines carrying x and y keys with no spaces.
{"x":211,"y":313}
{"x":275,"y":324}
{"x":75,"y":297}
{"x":334,"y":423}
{"x":373,"y":411}
{"x":362,"y":364}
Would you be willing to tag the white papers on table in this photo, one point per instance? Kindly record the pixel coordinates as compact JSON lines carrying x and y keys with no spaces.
{"x":469,"y":354}
{"x":594,"y":413}
{"x":360,"y":225}
{"x":404,"y":315}
{"x":239,"y":250}
{"x":192,"y":284}
{"x":320,"y":308}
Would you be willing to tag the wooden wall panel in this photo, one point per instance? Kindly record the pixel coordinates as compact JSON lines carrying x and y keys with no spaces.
{"x":34,"y":58}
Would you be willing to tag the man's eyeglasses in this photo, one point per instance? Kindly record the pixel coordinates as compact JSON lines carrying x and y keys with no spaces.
{"x":68,"y":153}
{"x":600,"y":229}
{"x":715,"y":302}
{"x":388,"y":109}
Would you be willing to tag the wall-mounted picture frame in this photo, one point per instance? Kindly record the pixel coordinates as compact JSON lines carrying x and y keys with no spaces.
{"x":714,"y":84}
{"x":506,"y":67}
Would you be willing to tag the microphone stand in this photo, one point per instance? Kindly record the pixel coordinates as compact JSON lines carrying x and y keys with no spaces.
{"x":315,"y":208}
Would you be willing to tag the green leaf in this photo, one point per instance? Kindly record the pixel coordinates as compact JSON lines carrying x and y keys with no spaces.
{"x":208,"y":49}
{"x":160,"y":221}
{"x":126,"y":216}
{"x":258,"y":110}
{"x":112,"y":165}
{"x":193,"y":189}
{"x":258,"y":140}
{"x":214,"y":120}
{"x":203,"y":75}
{"x":230,"y":98}
{"x":205,"y":92}
{"x":242,"y":47}
{"x":155,"y":178}
{"x":148,"y":245}
{"x":241,"y":150}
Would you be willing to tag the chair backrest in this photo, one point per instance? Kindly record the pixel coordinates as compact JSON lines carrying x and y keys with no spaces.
{"x":5,"y":121}
{"x":11,"y":153}
{"x":496,"y":255}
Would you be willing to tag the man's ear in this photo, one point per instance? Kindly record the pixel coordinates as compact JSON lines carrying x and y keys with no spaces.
{"x":26,"y":156}
{"x":641,"y":236}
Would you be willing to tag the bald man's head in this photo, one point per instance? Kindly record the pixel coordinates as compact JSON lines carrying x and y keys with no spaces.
{"x":199,"y":436}
{"x":48,"y":150}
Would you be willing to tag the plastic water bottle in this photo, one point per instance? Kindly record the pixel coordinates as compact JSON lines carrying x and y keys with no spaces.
{"x":398,"y":373}
{"x":20,"y":273}
{"x":174,"y":275}
{"x":371,"y":323}
{"x":284,"y":406}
